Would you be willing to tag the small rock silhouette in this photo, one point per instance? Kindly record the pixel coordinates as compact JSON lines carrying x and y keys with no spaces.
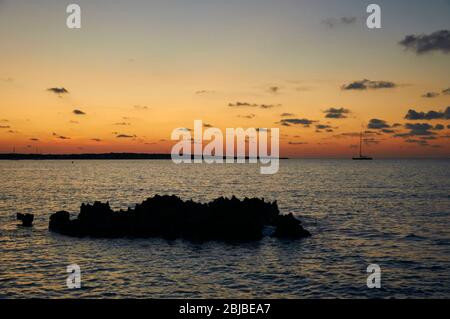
{"x":170,"y":217}
{"x":26,"y":219}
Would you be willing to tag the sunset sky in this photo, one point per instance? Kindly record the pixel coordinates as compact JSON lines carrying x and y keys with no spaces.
{"x":137,"y":70}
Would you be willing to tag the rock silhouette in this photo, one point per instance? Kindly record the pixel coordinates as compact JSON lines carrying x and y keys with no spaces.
{"x":170,"y":217}
{"x":26,"y":219}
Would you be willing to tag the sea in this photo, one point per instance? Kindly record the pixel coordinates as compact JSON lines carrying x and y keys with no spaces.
{"x":391,"y":213}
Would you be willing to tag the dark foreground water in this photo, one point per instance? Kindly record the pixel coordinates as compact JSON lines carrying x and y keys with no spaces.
{"x":392,"y":213}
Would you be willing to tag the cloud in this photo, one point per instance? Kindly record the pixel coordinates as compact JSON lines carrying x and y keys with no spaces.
{"x":122,"y":124}
{"x":428,"y":138}
{"x":184,"y":129}
{"x":377,"y":124}
{"x":4,"y":121}
{"x":323,"y":127}
{"x":431,"y":115}
{"x":430,"y":95}
{"x":336,"y":113}
{"x":61,"y":137}
{"x":345,"y":135}
{"x":140,"y":107}
{"x":337,"y":22}
{"x":5,"y":126}
{"x":423,"y":43}
{"x":125,"y":136}
{"x":96,"y":140}
{"x":378,"y":133}
{"x":418,"y":142}
{"x":58,"y":91}
{"x":370,"y":141}
{"x":368,"y":84}
{"x":78,"y":112}
{"x":286,"y":114}
{"x":297,"y":143}
{"x":34,"y":139}
{"x":8,"y":80}
{"x":238,"y":104}
{"x":268,"y":106}
{"x":303,"y":122}
{"x":246,"y":104}
{"x":205,"y":92}
{"x":248,"y":116}
{"x":446,"y":91}
{"x":274,"y":89}
{"x":417,"y":129}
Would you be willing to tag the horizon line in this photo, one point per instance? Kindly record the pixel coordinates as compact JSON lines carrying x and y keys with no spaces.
{"x":163,"y":156}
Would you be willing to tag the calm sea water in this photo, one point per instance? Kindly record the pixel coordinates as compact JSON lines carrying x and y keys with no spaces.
{"x":395,"y":213}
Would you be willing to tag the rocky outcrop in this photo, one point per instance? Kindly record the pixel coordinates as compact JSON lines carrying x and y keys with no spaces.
{"x":26,"y":219}
{"x":289,"y":227}
{"x":170,"y":217}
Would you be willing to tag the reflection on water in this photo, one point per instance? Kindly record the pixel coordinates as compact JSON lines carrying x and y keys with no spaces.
{"x":392,"y":213}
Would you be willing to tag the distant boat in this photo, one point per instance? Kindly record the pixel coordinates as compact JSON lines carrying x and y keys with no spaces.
{"x":361,"y":156}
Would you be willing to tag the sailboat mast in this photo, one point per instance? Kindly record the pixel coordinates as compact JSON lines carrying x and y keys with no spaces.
{"x":360,"y":145}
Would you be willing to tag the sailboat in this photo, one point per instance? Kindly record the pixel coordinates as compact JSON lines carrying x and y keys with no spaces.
{"x":361,"y":157}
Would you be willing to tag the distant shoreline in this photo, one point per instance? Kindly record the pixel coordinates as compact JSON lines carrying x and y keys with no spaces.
{"x":101,"y":156}
{"x":162,"y":156}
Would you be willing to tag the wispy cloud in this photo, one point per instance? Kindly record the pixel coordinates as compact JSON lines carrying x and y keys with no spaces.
{"x":346,"y":135}
{"x":425,"y":43}
{"x":431,"y":115}
{"x":247,"y":116}
{"x":140,"y":107}
{"x":246,"y":104}
{"x":78,"y":112}
{"x":337,"y":22}
{"x":274,"y":89}
{"x":61,"y":137}
{"x":125,"y":136}
{"x":302,"y":122}
{"x":321,"y":127}
{"x":377,"y":124}
{"x":336,"y":113}
{"x":418,"y":142}
{"x":205,"y":92}
{"x":430,"y":95}
{"x":297,"y":143}
{"x":58,"y":90}
{"x":417,"y":129}
{"x":368,"y":84}
{"x":370,"y":141}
